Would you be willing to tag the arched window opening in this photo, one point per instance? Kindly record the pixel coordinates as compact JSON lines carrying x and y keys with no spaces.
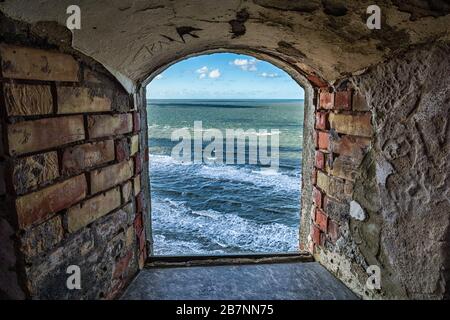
{"x":225,"y":144}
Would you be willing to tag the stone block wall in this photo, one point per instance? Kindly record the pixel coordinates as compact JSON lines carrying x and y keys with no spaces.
{"x":70,"y":185}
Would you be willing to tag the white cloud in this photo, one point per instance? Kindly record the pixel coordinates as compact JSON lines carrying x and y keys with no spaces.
{"x":159,"y":76}
{"x":245,"y":64}
{"x":202,"y":70}
{"x":214,"y":73}
{"x":269,"y":75}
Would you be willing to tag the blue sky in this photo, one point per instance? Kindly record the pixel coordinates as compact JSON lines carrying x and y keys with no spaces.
{"x":223,"y":76}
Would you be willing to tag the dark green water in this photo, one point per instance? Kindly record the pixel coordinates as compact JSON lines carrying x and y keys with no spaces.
{"x":214,"y":208}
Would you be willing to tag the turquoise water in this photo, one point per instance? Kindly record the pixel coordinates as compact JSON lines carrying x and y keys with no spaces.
{"x":214,"y":208}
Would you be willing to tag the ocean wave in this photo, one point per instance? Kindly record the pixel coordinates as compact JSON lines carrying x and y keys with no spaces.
{"x":263,"y":177}
{"x":210,"y":231}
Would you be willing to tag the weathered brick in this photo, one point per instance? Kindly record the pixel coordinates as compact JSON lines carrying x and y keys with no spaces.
{"x":78,"y":158}
{"x":127,"y":191}
{"x":36,"y":64}
{"x":122,"y":265}
{"x":314,"y":176}
{"x":129,"y":237}
{"x":134,"y":144}
{"x":136,"y":122}
{"x":343,"y":100}
{"x":137,"y":163}
{"x":320,"y":160}
{"x":345,"y":168}
{"x":331,"y":186}
{"x":42,"y":237}
{"x":326,"y":100}
{"x":323,"y":140}
{"x":110,"y":176}
{"x":141,"y":260}
{"x":90,"y":210}
{"x":335,"y":209}
{"x":333,"y":230}
{"x":131,"y":213}
{"x":359,"y":102}
{"x":140,"y":204}
{"x":138,"y":223}
{"x":317,"y":197}
{"x":38,"y":206}
{"x":315,"y":235}
{"x":109,"y":228}
{"x":322,"y":120}
{"x":350,"y":146}
{"x":108,"y":125}
{"x":137,"y":184}
{"x":357,"y":125}
{"x":34,"y":171}
{"x":31,"y":136}
{"x":27,"y":100}
{"x":80,"y":100}
{"x":321,"y":220}
{"x":142,"y":241}
{"x":122,"y":149}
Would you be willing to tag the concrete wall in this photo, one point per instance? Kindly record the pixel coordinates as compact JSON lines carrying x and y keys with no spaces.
{"x":71,"y":186}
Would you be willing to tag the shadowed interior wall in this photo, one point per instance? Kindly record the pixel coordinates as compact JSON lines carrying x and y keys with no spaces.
{"x":72,"y":190}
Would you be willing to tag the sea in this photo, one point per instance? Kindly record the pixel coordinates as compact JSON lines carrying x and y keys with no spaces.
{"x":213,"y":208}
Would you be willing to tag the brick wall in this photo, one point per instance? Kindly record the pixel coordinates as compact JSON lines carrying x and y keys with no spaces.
{"x":70,"y":165}
{"x":343,"y":133}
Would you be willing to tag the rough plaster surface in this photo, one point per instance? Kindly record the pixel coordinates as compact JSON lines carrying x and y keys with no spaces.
{"x":135,"y":38}
{"x":404,"y":183}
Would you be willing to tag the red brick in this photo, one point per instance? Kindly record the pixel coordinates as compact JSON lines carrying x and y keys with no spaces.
{"x":122,"y":149}
{"x":322,"y":120}
{"x":31,"y":136}
{"x":137,"y":164}
{"x":122,"y":265}
{"x":138,"y":223}
{"x":315,"y":235}
{"x":37,"y":206}
{"x":317,"y":81}
{"x":317,"y":197}
{"x":333,"y":230}
{"x":326,"y":100}
{"x":142,"y":241}
{"x":321,"y":220}
{"x":342,"y":100}
{"x":76,"y":159}
{"x":323,"y":140}
{"x":136,"y":122}
{"x":109,"y":125}
{"x":36,"y":64}
{"x":320,"y":160}
{"x":140,"y":205}
{"x":314,"y":176}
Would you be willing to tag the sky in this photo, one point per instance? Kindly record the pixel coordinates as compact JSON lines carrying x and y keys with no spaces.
{"x":223,"y":76}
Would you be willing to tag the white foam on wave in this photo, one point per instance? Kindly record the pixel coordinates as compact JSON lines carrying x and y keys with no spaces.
{"x":265,"y":177}
{"x":209,"y":231}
